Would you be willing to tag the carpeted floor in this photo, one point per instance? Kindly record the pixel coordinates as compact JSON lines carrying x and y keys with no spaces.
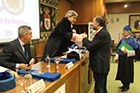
{"x":113,"y":86}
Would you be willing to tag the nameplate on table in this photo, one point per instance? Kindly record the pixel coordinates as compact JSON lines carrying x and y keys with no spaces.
{"x":69,"y":65}
{"x":39,"y":85}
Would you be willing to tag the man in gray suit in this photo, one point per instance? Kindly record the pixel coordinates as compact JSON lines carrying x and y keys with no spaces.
{"x":99,"y":49}
{"x":16,"y":54}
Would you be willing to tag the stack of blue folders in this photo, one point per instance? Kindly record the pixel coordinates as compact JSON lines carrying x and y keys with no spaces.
{"x":63,"y":60}
{"x":47,"y":76}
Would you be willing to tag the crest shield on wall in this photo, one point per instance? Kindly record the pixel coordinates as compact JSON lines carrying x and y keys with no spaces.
{"x":47,"y":21}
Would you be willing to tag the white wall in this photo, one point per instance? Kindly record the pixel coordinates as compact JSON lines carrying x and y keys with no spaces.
{"x":115,"y":27}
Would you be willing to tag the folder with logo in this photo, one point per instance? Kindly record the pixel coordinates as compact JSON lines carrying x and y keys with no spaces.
{"x":125,"y":45}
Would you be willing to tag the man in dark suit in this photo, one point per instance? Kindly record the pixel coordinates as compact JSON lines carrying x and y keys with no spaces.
{"x":14,"y":55}
{"x":61,"y":36}
{"x":99,"y":49}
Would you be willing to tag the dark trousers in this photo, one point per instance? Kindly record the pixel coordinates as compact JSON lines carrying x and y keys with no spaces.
{"x":100,"y":82}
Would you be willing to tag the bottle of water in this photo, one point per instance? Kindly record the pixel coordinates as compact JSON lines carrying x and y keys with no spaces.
{"x":28,"y":76}
{"x":48,"y":60}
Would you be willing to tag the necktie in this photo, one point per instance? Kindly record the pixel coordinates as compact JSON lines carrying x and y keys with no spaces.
{"x":25,"y":51}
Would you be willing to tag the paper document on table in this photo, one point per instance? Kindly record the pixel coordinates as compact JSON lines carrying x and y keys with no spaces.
{"x":2,"y":69}
{"x":77,"y":39}
{"x":36,"y":66}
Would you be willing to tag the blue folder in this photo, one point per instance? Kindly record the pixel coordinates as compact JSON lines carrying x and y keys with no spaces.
{"x":63,"y":60}
{"x":47,"y":76}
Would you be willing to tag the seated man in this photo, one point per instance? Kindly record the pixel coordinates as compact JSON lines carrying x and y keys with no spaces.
{"x":16,"y":54}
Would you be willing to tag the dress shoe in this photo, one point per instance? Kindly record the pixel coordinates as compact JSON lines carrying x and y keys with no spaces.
{"x":121,"y":87}
{"x":124,"y":89}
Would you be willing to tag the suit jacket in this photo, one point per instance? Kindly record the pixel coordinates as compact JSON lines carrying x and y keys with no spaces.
{"x":99,"y":51}
{"x":13,"y":53}
{"x":59,"y":40}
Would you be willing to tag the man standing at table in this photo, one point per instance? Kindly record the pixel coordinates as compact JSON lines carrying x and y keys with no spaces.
{"x":61,"y":36}
{"x":16,"y":54}
{"x":99,"y":49}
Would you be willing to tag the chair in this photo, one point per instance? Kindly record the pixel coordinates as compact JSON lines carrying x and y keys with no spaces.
{"x":113,"y":52}
{"x":39,"y":47}
{"x":33,"y":53}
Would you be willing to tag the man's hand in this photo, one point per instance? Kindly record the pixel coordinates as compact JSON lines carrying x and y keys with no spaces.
{"x":74,"y":31}
{"x":124,"y":51}
{"x":13,"y":73}
{"x":84,"y":35}
{"x":23,"y":66}
{"x":32,"y":61}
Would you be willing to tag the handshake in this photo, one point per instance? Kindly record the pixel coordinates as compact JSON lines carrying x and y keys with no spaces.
{"x":83,"y":35}
{"x":77,"y":38}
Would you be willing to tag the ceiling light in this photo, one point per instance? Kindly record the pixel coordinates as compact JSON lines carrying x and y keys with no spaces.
{"x":125,"y":6}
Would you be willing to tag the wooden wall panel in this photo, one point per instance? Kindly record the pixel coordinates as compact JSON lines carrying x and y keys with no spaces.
{"x":72,"y":84}
{"x":88,"y":9}
{"x":84,"y":76}
{"x":64,"y":6}
{"x":116,"y":8}
{"x":81,"y":28}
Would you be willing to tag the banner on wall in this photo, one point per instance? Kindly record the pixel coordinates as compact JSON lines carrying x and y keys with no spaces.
{"x":91,"y":32}
{"x":49,"y":17}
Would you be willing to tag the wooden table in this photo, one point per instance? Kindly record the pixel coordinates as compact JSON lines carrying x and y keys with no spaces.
{"x":75,"y":78}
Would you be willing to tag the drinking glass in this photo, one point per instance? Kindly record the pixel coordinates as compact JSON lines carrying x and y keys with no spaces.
{"x":21,"y":80}
{"x":57,"y":60}
{"x":48,"y":60}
